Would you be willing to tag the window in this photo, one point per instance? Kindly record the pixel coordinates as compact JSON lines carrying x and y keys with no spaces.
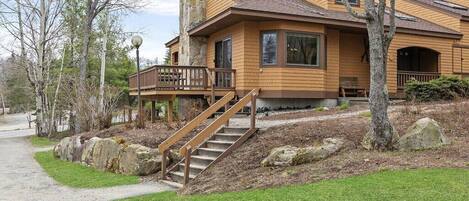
{"x":302,"y":49}
{"x":352,"y":2}
{"x":223,"y":54}
{"x":269,"y":48}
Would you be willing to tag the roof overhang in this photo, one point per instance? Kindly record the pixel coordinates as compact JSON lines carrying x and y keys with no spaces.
{"x":172,"y":42}
{"x":232,"y":16}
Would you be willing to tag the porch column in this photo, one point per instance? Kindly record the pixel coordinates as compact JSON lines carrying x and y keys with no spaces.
{"x":153,"y":108}
{"x":170,"y":111}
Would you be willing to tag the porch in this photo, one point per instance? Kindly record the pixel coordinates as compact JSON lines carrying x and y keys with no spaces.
{"x":183,"y":80}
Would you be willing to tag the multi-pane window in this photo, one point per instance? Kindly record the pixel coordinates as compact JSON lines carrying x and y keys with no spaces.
{"x":269,"y":48}
{"x":352,"y":2}
{"x":302,"y":49}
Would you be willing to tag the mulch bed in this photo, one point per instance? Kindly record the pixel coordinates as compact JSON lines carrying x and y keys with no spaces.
{"x":311,"y":113}
{"x":152,"y":136}
{"x":242,"y":170}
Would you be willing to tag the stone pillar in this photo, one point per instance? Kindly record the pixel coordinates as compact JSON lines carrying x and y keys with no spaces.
{"x":192,"y":50}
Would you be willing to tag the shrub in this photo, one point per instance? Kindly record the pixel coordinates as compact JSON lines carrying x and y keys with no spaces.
{"x":344,"y":105}
{"x":444,"y":88}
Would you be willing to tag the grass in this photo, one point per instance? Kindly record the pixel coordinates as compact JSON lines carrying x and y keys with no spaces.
{"x":78,"y":176}
{"x":366,"y":114}
{"x":424,"y":184}
{"x":42,"y":141}
{"x":344,"y":105}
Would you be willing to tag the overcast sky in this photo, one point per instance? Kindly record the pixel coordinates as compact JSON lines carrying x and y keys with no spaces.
{"x":158,"y":23}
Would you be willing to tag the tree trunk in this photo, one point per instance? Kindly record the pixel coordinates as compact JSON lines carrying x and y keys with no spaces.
{"x":3,"y":104}
{"x":381,"y":130}
{"x":103,"y":66}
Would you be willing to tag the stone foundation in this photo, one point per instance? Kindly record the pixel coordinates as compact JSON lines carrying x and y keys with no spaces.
{"x":287,"y":103}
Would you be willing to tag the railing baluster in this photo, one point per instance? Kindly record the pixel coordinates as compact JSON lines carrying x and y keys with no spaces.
{"x":187,"y":166}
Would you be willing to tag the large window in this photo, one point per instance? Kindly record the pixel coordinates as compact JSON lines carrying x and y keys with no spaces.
{"x":269,"y":48}
{"x":352,"y":2}
{"x":223,"y":54}
{"x":302,"y":49}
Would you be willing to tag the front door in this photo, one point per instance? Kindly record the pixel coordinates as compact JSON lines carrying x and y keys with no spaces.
{"x":223,"y":62}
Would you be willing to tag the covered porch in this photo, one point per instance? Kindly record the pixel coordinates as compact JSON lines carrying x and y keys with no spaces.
{"x":417,"y":63}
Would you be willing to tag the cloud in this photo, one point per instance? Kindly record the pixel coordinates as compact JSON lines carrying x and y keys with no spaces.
{"x":162,"y":7}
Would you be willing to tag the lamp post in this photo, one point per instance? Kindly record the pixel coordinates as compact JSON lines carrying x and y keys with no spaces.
{"x":137,"y":42}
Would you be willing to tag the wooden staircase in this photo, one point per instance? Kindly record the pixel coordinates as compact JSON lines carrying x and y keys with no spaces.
{"x":213,"y":143}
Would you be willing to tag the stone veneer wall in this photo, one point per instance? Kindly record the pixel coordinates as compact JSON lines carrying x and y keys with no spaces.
{"x":192,"y":50}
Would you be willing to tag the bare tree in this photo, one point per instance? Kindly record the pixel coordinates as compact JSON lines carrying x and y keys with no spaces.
{"x":93,"y":9}
{"x":381,"y":135}
{"x":36,"y":25}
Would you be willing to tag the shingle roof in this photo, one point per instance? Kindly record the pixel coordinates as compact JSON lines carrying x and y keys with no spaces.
{"x":447,"y":8}
{"x":304,"y":8}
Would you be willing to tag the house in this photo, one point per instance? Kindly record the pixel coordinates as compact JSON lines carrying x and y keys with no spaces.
{"x":306,"y":52}
{"x":273,"y":54}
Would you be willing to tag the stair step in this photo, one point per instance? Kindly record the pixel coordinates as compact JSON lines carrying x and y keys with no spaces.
{"x":172,"y":184}
{"x":181,"y":174}
{"x":230,"y":134}
{"x":216,"y":144}
{"x":206,"y":158}
{"x":210,"y":152}
{"x":195,"y":166}
{"x":235,"y":130}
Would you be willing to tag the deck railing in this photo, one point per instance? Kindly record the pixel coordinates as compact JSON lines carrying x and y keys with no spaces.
{"x":405,"y":76}
{"x":184,"y":78}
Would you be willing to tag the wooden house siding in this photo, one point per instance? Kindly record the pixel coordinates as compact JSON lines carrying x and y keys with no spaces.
{"x":352,"y":48}
{"x":428,"y":13}
{"x":460,"y":2}
{"x":322,"y":3}
{"x":333,"y":60}
{"x":215,"y":7}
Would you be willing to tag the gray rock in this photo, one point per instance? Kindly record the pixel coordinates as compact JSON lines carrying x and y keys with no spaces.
{"x":289,"y":155}
{"x":69,"y":149}
{"x":105,"y":155}
{"x":87,"y":153}
{"x":426,"y":133}
{"x":139,"y":160}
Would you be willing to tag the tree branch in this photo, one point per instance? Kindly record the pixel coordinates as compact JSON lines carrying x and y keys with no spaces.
{"x":354,"y":13}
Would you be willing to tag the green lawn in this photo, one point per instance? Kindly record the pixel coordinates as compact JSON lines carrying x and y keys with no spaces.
{"x":42,"y":141}
{"x":78,"y":176}
{"x":425,"y":184}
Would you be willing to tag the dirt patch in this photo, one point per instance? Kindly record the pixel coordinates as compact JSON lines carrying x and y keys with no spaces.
{"x":152,"y":136}
{"x":286,"y":115}
{"x":241,"y":170}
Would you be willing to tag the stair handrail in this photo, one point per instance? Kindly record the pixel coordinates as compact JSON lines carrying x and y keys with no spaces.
{"x":181,"y":133}
{"x":222,"y":120}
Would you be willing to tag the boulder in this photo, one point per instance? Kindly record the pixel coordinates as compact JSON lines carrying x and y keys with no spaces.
{"x":139,"y":160}
{"x":426,"y":133}
{"x":87,"y":153}
{"x":105,"y":155}
{"x":69,"y":149}
{"x":175,"y":156}
{"x":289,"y":155}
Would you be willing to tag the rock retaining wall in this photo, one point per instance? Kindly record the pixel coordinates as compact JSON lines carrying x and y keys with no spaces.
{"x":112,"y":155}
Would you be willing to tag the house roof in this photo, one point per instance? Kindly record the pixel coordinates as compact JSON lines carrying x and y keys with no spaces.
{"x":172,"y":42}
{"x":300,"y":10}
{"x":461,"y":10}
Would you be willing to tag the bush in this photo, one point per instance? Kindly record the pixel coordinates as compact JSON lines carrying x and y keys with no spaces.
{"x":444,"y":88}
{"x":344,"y":105}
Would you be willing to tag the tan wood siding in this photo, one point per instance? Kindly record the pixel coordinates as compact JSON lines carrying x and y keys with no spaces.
{"x":352,"y":48}
{"x":460,"y":2}
{"x":430,"y":14}
{"x":322,"y":3}
{"x":173,"y":48}
{"x":215,"y":7}
{"x":333,"y":60}
{"x":441,"y":45}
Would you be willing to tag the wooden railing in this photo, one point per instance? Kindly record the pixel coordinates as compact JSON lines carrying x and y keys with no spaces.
{"x":210,"y":130}
{"x":405,"y":76}
{"x":184,"y":131}
{"x":222,"y":120}
{"x":184,"y":78}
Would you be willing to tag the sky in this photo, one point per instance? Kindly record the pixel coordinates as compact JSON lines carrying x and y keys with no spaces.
{"x":158,"y":23}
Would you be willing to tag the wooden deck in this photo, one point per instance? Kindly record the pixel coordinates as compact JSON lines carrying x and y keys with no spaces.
{"x":183,"y":80}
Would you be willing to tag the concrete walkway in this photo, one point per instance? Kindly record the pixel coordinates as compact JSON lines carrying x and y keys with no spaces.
{"x":23,"y":179}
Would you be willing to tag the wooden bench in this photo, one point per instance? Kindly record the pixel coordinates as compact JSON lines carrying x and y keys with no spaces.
{"x":349,"y":87}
